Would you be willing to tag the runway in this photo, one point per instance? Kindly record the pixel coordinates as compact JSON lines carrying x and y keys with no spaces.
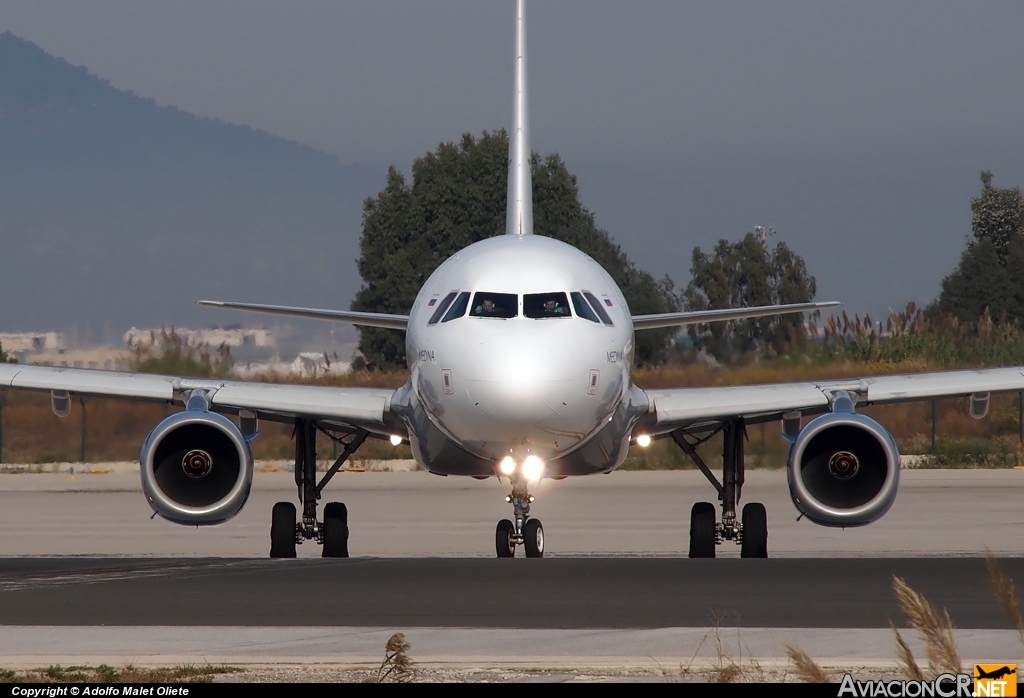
{"x":474,"y":593}
{"x":87,"y":577}
{"x":645,"y":514}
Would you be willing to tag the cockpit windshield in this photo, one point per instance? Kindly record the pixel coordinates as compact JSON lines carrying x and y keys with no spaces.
{"x":497,"y":305}
{"x":545,"y":305}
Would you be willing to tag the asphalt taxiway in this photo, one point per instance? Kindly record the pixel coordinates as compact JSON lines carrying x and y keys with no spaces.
{"x":87,"y":577}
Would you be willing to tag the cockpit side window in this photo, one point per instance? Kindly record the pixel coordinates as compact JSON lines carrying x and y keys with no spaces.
{"x":441,"y":307}
{"x":598,"y":308}
{"x":545,"y":305}
{"x":582,"y":309}
{"x":496,"y":305}
{"x":458,"y":308}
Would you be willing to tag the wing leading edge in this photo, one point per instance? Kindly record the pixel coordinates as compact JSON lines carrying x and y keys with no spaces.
{"x":385,"y":320}
{"x":357,"y":407}
{"x":695,"y":317}
{"x":674,"y":408}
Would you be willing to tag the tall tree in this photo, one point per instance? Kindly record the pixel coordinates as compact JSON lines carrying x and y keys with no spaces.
{"x":997,"y":215}
{"x":457,"y":197}
{"x":990,"y":276}
{"x":744,"y":274}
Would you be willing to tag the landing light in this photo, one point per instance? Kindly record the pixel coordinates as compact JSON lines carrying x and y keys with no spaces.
{"x":643,"y":441}
{"x":533,"y":467}
{"x":395,"y":439}
{"x":507,"y":466}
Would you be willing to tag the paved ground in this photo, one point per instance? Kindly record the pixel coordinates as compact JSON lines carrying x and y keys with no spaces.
{"x":571,"y":593}
{"x":615,"y":594}
{"x":937,"y":513}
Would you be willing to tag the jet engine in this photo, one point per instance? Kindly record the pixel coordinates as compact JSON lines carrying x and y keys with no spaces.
{"x":844,"y":468}
{"x":196,"y":466}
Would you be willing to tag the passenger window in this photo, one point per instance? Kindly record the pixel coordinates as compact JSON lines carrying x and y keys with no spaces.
{"x":499,"y":305}
{"x":598,"y":308}
{"x":582,"y":309}
{"x":441,"y":307}
{"x":545,"y":305}
{"x":458,"y":308}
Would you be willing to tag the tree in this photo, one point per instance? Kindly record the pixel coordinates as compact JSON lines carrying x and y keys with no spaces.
{"x":457,"y":197}
{"x":997,"y":215}
{"x":745,"y":274}
{"x":990,"y":276}
{"x":4,"y":358}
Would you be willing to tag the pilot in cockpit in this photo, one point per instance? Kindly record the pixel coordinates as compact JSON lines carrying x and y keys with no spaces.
{"x":486,"y":307}
{"x":553,"y":307}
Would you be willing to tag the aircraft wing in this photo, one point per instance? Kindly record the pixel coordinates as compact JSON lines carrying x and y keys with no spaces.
{"x":696,"y":317}
{"x":367,"y":408}
{"x":681,"y":407}
{"x":385,"y":320}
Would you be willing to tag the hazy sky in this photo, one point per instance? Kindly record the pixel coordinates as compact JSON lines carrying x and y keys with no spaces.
{"x":856,"y":130}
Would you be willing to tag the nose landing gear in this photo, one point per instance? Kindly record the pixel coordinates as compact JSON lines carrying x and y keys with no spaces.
{"x":522,"y":530}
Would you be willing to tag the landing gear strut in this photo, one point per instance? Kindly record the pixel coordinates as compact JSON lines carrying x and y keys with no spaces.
{"x":332,"y":534}
{"x":750,"y":531}
{"x":523,"y":530}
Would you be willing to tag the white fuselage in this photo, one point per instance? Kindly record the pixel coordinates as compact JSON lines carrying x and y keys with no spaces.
{"x":496,"y":385}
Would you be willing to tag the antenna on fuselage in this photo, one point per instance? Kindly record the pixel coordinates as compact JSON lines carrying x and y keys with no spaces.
{"x":519,"y":211}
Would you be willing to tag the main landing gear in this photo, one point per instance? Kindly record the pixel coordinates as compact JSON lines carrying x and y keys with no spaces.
{"x":523,"y":530}
{"x":751,"y":531}
{"x":332,"y":533}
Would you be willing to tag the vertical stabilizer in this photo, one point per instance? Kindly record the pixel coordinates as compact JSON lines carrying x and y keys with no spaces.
{"x":519,"y":213}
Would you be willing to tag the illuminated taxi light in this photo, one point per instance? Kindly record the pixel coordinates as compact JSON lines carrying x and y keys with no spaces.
{"x":643,"y":441}
{"x":395,"y":439}
{"x":533,"y":468}
{"x":507,"y":466}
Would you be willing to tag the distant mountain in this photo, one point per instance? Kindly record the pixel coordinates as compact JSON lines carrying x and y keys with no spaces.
{"x":117,"y":212}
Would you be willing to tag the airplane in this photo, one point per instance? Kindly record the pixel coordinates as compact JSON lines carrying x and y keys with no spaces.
{"x":996,"y":674}
{"x":519,"y":349}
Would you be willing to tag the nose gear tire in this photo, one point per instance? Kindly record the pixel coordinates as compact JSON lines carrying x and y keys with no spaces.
{"x":533,"y":538}
{"x":503,"y":542}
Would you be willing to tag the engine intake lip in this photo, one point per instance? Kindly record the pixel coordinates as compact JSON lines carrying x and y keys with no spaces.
{"x":230,"y":497}
{"x":810,"y":498}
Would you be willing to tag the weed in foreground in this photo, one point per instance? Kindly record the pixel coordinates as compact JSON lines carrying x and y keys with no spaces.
{"x":936,"y":628}
{"x":397,"y":666}
{"x":104,"y":673}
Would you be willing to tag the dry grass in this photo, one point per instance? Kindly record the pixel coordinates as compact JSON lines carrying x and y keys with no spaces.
{"x":805,"y":668}
{"x":935,"y":627}
{"x":185,"y":673}
{"x":1005,"y":592}
{"x":397,"y":666}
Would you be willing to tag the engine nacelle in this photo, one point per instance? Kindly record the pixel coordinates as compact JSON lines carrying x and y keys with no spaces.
{"x":196,"y":467}
{"x":844,"y":468}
